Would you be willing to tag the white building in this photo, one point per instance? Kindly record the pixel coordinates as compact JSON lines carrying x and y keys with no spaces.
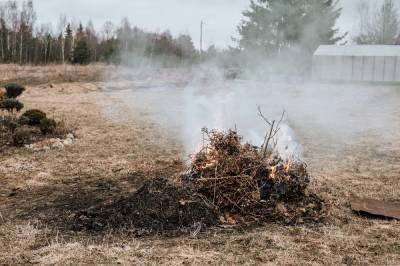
{"x":377,"y":63}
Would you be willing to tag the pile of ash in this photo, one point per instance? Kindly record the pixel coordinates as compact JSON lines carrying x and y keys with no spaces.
{"x":157,"y":207}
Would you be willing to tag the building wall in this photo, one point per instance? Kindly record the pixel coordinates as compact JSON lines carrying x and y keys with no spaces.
{"x":390,"y":69}
{"x":368,"y":68}
{"x":356,"y":68}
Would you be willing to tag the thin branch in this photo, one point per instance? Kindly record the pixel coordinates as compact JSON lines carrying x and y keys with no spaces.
{"x":268,"y":139}
{"x":262,"y":116}
{"x":282,"y":117}
{"x":274,"y":128}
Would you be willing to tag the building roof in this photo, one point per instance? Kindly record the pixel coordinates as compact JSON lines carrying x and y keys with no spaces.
{"x":358,"y":50}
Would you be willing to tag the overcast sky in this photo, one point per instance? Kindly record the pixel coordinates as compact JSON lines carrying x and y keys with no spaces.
{"x":179,"y":16}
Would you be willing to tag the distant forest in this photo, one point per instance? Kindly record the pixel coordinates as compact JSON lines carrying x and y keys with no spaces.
{"x":22,"y":41}
{"x":278,"y":31}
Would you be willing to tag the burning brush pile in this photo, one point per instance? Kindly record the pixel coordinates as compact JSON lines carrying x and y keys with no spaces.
{"x":248,"y":184}
{"x":229,"y":182}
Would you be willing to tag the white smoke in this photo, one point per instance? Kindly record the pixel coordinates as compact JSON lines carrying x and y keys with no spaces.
{"x":288,"y":147}
{"x":323,"y":117}
{"x":211,"y":101}
{"x":215,"y":103}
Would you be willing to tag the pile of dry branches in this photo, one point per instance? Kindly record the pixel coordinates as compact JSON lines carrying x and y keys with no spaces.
{"x":241,"y":179}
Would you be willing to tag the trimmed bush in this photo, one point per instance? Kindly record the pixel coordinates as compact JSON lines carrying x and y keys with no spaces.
{"x":23,"y":135}
{"x":9,"y":122}
{"x":48,"y":126}
{"x":13,"y":90}
{"x":33,"y":117}
{"x":11,"y":105}
{"x":23,"y":120}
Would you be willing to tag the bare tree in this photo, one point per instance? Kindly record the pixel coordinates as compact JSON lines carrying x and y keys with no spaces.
{"x":27,"y":19}
{"x":2,"y":30}
{"x":91,"y":37}
{"x":108,"y":30}
{"x":61,"y":26}
{"x":74,"y":27}
{"x":379,"y":27}
{"x":13,"y":19}
{"x":364,"y":15}
{"x":44,"y":33}
{"x":124,"y":33}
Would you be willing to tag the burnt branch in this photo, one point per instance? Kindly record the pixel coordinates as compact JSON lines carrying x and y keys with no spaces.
{"x":271,"y":132}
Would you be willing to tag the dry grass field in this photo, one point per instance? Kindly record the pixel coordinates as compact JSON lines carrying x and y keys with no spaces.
{"x":113,"y":157}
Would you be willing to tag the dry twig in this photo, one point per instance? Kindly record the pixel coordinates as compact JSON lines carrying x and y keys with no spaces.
{"x":272,"y":131}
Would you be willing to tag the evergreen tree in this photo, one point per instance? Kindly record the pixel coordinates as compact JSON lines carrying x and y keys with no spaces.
{"x":110,"y":52}
{"x":272,"y":26}
{"x":82,"y":53}
{"x":80,"y":33}
{"x":68,"y":43}
{"x":185,"y":46}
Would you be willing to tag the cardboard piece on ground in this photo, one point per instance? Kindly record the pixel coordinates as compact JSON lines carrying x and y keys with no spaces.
{"x":375,"y":207}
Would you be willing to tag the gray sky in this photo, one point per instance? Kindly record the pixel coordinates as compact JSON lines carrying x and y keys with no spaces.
{"x":179,"y":16}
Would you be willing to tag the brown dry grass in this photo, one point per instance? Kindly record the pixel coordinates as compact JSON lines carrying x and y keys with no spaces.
{"x":29,"y":75}
{"x":113,"y":158}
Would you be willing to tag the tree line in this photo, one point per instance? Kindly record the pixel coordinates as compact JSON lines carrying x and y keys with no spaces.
{"x":290,"y":29}
{"x":22,"y":41}
{"x":270,"y":28}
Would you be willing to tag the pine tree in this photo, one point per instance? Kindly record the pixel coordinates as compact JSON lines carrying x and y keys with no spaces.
{"x":272,"y":26}
{"x":68,"y":43}
{"x":185,"y":46}
{"x":82,"y":53}
{"x":80,"y":34}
